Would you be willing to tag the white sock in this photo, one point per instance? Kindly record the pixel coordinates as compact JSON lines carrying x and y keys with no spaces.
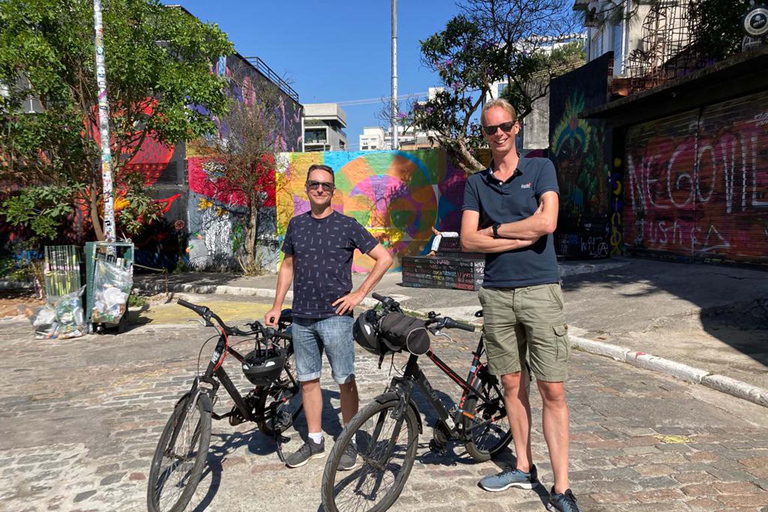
{"x":316,"y":437}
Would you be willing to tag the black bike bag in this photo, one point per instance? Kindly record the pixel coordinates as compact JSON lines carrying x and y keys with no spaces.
{"x":406,"y":332}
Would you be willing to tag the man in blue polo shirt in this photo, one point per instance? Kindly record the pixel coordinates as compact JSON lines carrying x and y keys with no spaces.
{"x":509,"y":213}
{"x":318,"y":247}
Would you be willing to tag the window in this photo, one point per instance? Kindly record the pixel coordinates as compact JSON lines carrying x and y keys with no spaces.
{"x":314,"y":137}
{"x":618,"y":46}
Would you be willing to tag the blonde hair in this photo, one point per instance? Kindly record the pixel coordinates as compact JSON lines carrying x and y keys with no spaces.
{"x":498,"y":103}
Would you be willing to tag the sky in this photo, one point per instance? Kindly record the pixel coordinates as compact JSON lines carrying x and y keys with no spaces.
{"x":333,"y":51}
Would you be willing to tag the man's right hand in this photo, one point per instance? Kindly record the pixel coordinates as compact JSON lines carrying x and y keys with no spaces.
{"x":272,"y":316}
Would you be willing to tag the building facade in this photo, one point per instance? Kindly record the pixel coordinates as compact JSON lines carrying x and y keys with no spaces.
{"x":324,"y":125}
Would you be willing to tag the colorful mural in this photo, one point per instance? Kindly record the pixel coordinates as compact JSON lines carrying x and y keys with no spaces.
{"x":697,"y":183}
{"x":217,"y":209}
{"x":397,"y":195}
{"x":580,"y":149}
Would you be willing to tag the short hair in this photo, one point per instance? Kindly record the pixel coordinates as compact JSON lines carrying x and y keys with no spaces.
{"x":498,"y":103}
{"x":321,"y":167}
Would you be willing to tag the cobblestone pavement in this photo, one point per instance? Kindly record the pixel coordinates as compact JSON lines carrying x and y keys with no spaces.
{"x":80,"y":419}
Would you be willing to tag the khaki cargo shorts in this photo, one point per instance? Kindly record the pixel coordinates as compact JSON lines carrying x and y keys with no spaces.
{"x":527,"y":320}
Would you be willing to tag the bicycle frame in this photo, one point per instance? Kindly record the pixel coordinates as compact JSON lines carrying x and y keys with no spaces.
{"x":413,"y":374}
{"x":215,"y":374}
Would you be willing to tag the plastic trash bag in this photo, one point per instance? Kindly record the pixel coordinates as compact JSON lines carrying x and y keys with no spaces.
{"x":61,"y":318}
{"x":112,"y":284}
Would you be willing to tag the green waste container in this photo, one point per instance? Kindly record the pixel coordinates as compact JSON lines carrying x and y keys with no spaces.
{"x":115,"y":255}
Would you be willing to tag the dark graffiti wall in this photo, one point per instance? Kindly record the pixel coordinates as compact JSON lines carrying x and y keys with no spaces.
{"x":581,"y":151}
{"x":697,"y":183}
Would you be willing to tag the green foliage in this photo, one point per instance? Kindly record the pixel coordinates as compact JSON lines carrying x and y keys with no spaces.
{"x":158,"y":62}
{"x":718,"y":32}
{"x":41,"y":209}
{"x":534,"y":72}
{"x":492,"y":40}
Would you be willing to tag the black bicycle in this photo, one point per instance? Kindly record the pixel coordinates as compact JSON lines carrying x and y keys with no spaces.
{"x":386,"y":431}
{"x":272,"y":404}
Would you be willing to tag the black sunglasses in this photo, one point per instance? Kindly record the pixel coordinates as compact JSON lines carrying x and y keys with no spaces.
{"x":505,"y":127}
{"x":327,"y":186}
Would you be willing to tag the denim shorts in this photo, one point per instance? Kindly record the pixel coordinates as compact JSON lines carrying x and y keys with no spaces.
{"x":334,"y":335}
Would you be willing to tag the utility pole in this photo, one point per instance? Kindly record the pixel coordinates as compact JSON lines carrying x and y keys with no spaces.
{"x":106,"y":153}
{"x":395,"y":135}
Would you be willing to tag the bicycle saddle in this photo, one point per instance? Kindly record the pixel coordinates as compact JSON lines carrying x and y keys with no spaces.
{"x":286,"y":316}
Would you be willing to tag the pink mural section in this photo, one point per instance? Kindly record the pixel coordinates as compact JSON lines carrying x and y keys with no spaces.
{"x":397,"y":195}
{"x":697,"y":183}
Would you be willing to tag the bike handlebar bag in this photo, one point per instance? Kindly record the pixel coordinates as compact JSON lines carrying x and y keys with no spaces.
{"x":406,"y":332}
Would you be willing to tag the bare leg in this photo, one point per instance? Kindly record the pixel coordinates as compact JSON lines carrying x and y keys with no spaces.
{"x":555,"y":420}
{"x":312,"y":399}
{"x":349,"y":400}
{"x":519,"y":411}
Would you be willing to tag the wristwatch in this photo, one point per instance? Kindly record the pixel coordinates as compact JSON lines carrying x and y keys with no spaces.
{"x":495,"y":229}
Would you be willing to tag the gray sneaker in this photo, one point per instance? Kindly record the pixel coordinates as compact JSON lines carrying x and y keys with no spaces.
{"x":510,"y":478}
{"x":348,"y":459}
{"x":565,"y":502}
{"x":308,"y":450}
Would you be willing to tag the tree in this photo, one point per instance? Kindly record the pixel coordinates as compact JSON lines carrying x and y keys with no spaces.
{"x":717,"y":27}
{"x":492,"y":40}
{"x":245,"y":149}
{"x":158,"y":62}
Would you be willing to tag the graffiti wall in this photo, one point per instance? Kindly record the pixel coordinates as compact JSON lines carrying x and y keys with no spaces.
{"x":697,"y":183}
{"x":397,"y":195}
{"x":581,"y":151}
{"x":216,"y":209}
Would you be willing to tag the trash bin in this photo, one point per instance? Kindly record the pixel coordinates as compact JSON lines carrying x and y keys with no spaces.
{"x":109,"y":279}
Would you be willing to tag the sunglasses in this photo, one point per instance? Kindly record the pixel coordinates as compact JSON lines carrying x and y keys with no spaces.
{"x":314,"y":185}
{"x":505,"y":127}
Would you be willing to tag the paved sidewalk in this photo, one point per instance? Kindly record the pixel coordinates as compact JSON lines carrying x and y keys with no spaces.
{"x":702,"y":323}
{"x":81,"y":419}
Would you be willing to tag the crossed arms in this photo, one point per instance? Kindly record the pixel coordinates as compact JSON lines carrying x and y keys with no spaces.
{"x":513,"y":235}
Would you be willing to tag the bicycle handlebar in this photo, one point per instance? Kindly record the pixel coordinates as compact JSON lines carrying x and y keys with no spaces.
{"x":256,"y":327}
{"x":444,"y":322}
{"x":450,"y":323}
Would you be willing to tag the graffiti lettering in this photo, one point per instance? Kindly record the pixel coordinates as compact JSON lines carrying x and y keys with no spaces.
{"x":698,"y":182}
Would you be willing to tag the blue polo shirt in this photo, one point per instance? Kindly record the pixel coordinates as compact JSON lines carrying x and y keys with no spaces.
{"x":513,"y":200}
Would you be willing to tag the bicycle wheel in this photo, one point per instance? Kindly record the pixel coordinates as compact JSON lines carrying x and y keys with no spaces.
{"x":385,"y":455}
{"x":179,"y":457}
{"x":488,"y":426}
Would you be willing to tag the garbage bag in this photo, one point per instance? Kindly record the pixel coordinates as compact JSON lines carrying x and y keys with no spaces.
{"x":112,"y":284}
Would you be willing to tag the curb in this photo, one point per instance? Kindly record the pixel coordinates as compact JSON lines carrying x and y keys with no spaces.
{"x":681,"y":371}
{"x":240,"y":291}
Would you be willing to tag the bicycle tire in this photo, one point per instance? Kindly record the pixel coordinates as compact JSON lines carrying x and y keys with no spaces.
{"x":365,"y":485}
{"x":193,"y":424}
{"x":488,"y":426}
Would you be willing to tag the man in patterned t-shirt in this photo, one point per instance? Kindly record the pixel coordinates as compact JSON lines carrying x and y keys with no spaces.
{"x":318,"y":249}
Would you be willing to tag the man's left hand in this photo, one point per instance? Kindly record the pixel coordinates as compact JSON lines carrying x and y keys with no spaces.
{"x":348,"y":302}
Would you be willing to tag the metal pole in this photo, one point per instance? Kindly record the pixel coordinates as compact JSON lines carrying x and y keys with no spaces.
{"x":395,"y":135}
{"x":106,"y":154}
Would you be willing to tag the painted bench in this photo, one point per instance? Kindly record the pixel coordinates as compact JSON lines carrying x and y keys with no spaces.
{"x":449,"y":268}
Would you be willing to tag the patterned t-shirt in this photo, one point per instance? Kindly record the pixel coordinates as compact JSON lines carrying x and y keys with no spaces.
{"x":322,"y":265}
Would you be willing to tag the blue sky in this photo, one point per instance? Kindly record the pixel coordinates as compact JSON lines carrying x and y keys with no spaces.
{"x":333,"y":51}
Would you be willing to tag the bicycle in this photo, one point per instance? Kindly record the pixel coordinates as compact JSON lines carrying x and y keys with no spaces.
{"x":386,"y":431}
{"x":180,"y":456}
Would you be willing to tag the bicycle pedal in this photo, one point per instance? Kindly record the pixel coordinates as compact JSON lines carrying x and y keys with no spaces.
{"x":438,"y":448}
{"x":235,"y":418}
